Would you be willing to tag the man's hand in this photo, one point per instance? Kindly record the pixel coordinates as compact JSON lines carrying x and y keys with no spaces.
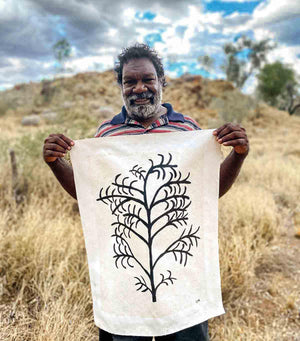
{"x":56,"y":146}
{"x":233,"y":135}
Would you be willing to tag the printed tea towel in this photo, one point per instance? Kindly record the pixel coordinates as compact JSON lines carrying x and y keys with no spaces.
{"x":149,"y":211}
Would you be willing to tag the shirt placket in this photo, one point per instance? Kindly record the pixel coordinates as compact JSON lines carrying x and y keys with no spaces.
{"x":162,"y":121}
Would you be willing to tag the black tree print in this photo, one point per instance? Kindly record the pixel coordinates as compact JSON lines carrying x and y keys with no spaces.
{"x":145,"y":206}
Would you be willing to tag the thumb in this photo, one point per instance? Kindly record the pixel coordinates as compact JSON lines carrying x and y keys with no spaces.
{"x":50,"y":158}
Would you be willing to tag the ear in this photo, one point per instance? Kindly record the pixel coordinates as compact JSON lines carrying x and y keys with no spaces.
{"x":162,"y":81}
{"x":116,"y":80}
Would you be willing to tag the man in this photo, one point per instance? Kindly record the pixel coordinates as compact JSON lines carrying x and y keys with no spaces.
{"x":141,"y":79}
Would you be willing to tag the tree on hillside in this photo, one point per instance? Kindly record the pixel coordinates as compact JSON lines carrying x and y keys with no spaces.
{"x":206,"y":62}
{"x":277,"y":86}
{"x":293,"y":93}
{"x":62,"y":52}
{"x":243,"y":57}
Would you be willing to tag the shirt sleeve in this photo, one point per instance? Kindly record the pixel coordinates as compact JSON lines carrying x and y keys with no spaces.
{"x":191,"y":123}
{"x":102,"y":128}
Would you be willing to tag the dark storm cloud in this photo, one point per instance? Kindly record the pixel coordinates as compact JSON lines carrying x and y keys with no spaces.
{"x":169,"y":8}
{"x":5,"y":63}
{"x":31,"y":32}
{"x":29,"y":70}
{"x":30,"y":28}
{"x":22,"y":36}
{"x":281,"y":21}
{"x":287,"y":32}
{"x":37,"y":24}
{"x":87,"y":23}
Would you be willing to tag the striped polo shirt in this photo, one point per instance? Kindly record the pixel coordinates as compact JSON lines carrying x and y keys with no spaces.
{"x":121,"y":124}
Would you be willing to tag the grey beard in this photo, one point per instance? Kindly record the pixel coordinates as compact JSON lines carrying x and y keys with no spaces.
{"x":143,"y":112}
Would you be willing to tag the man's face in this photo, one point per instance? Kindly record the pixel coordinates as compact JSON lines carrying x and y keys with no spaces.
{"x":141,"y":89}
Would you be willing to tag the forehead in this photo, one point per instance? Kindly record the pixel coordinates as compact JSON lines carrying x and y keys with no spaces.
{"x":138,"y":66}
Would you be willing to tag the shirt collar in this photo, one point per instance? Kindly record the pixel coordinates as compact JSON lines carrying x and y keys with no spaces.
{"x":171,"y":114}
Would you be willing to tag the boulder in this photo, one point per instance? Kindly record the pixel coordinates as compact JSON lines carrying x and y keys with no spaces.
{"x":67,"y":105}
{"x":49,"y":117}
{"x":31,"y":120}
{"x":46,"y":110}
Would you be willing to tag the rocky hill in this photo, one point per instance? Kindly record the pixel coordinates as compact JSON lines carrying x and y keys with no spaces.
{"x":44,"y":282}
{"x":91,"y":92}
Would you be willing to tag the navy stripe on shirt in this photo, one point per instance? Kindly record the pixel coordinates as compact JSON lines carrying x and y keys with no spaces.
{"x":121,"y":124}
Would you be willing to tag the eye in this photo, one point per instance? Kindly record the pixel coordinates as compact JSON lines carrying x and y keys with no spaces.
{"x":149,"y":79}
{"x":129,"y":81}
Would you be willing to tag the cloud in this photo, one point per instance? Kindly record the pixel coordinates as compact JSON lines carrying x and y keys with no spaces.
{"x":21,"y":71}
{"x":90,"y":63}
{"x":98,"y":29}
{"x":287,"y":31}
{"x":280,"y":19}
{"x":240,"y":1}
{"x":288,"y":55}
{"x":20,"y":32}
{"x":273,"y":11}
{"x":231,"y":22}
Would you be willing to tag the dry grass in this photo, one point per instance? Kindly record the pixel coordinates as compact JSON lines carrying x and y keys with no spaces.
{"x":233,"y":107}
{"x":44,"y":283}
{"x":44,"y":275}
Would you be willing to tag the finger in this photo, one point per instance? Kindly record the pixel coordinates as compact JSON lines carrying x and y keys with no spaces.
{"x":217,"y":131}
{"x":53,"y":153}
{"x":55,"y":139}
{"x":232,"y":136}
{"x":50,"y":159}
{"x":220,"y":130}
{"x":69,"y":141}
{"x":224,"y":126}
{"x":55,"y":147}
{"x":228,"y":129}
{"x":227,"y":126}
{"x":236,"y":142}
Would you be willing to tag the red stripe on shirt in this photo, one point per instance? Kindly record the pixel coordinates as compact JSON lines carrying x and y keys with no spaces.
{"x":128,"y":132}
{"x":191,"y":120}
{"x":110,"y":127}
{"x":182,"y":126}
{"x":160,"y":131}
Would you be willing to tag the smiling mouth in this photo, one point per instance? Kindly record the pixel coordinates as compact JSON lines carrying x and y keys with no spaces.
{"x":142,"y":101}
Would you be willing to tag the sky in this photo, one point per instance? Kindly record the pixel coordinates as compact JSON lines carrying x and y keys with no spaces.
{"x":180,"y":30}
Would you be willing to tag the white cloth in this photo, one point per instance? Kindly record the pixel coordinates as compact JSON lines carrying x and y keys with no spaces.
{"x":151,"y":233}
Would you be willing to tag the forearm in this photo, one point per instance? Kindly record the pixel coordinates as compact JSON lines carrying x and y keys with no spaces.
{"x":63,"y":171}
{"x":229,"y":171}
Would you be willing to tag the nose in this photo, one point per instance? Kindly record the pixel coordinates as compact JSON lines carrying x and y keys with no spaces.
{"x":140,"y":87}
